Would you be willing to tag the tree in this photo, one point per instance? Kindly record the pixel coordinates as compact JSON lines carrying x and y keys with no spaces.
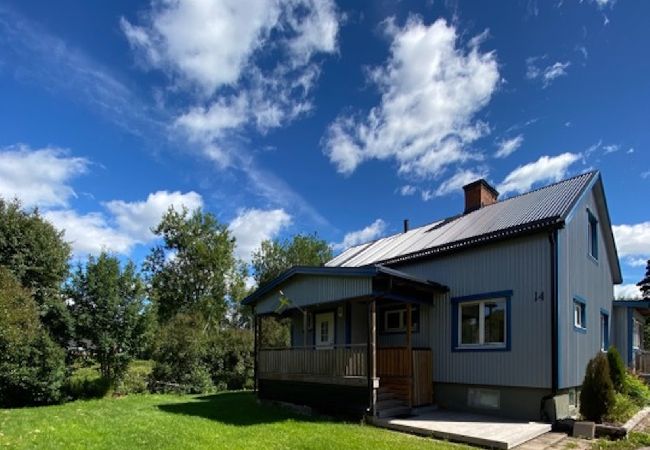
{"x":616,"y":369}
{"x":273,"y":258}
{"x":35,"y":252}
{"x":597,"y":393}
{"x":108,"y":303}
{"x":32,"y":366}
{"x":644,"y":284}
{"x":190,"y":272}
{"x":276,"y":256}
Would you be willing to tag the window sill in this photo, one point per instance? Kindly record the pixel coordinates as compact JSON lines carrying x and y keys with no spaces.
{"x":592,"y":258}
{"x":482,"y":348}
{"x":579,"y":329}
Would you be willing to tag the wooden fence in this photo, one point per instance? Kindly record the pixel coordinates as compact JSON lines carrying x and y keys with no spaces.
{"x":642,"y":362}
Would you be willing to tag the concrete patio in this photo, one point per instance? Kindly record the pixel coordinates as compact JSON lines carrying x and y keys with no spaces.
{"x":467,"y":428}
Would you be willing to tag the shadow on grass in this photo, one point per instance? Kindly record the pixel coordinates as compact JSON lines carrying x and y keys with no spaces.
{"x":233,"y":408}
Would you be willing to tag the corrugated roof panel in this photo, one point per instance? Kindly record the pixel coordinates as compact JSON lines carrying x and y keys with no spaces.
{"x":544,"y":203}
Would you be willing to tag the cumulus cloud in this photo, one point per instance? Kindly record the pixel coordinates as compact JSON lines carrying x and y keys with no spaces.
{"x":252,"y":226}
{"x":89,"y":233}
{"x":545,"y":74}
{"x":545,"y":169}
{"x":369,"y":233}
{"x":633,"y":239}
{"x":508,"y":146}
{"x":137,"y":218}
{"x":217,"y":46}
{"x":431,"y":91}
{"x":627,"y":291}
{"x":455,"y":183}
{"x":126,"y":225}
{"x":39,"y":177}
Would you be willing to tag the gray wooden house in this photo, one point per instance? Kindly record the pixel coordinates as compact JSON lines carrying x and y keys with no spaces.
{"x":497,"y":310}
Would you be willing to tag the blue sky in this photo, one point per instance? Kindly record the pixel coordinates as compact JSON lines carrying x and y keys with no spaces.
{"x":304,"y":116}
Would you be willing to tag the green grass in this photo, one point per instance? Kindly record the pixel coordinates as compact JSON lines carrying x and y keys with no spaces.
{"x":633,"y":441}
{"x":227,"y":420}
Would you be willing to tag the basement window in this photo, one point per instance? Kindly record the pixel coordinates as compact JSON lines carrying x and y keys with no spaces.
{"x":484,"y":398}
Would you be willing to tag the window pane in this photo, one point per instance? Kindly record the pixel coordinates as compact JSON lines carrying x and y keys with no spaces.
{"x":393,"y":320}
{"x":324,"y":331}
{"x":469,"y":324}
{"x":495,"y":322}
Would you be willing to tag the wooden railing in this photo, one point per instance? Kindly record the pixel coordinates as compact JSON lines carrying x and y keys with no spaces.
{"x":409,"y":375}
{"x":642,"y":362}
{"x":344,"y":361}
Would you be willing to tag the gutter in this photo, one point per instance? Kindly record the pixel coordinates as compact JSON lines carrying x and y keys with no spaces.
{"x":552,"y":237}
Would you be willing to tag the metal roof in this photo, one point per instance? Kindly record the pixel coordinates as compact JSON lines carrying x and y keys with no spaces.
{"x":534,"y":210}
{"x":367,"y":271}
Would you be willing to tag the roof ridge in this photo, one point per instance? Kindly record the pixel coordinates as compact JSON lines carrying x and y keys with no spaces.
{"x":590,"y":172}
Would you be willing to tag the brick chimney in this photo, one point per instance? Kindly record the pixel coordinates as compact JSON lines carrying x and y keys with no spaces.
{"x":478,"y":194}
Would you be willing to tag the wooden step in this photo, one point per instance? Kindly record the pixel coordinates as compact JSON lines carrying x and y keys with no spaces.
{"x":388,"y":404}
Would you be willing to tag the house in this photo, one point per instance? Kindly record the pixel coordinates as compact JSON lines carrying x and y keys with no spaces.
{"x":496,"y":310}
{"x":627,"y":328}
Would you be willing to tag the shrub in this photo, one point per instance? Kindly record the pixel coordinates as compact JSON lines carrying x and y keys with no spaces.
{"x":597,"y":394}
{"x":622,"y":409}
{"x":616,"y":368}
{"x":230,"y":358}
{"x":180,"y":357}
{"x":636,"y":389}
{"x":87,"y":382}
{"x":136,"y":378}
{"x":32,"y":365}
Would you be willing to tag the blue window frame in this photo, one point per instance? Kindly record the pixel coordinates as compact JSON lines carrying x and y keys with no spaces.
{"x":593,"y":235}
{"x":604,"y":330}
{"x":579,"y":315}
{"x":481,"y":322}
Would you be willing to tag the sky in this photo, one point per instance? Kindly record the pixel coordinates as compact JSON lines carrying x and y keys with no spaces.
{"x":303,"y":116}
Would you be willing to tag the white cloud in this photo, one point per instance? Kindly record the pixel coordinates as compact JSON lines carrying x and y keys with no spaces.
{"x":38,"y":177}
{"x":508,"y":146}
{"x":612,"y":148}
{"x":137,"y":218}
{"x":407,"y":190}
{"x":89,"y":233}
{"x":636,"y":262}
{"x":627,"y":291}
{"x":545,"y":169}
{"x":545,"y":74}
{"x":431,"y":90}
{"x":632,"y":239}
{"x":369,"y":233}
{"x":645,"y":174}
{"x":252,"y":226}
{"x":458,"y":180}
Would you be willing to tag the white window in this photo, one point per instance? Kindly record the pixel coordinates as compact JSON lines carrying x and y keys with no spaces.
{"x":324,"y":329}
{"x":636,"y":334}
{"x":484,"y":398}
{"x":579,"y":314}
{"x":482,"y":323}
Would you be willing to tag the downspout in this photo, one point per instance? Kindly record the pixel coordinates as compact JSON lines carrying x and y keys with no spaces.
{"x":554,"y":312}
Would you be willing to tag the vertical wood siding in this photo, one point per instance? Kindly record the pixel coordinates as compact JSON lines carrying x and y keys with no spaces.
{"x":521,"y":265}
{"x":580,"y":275}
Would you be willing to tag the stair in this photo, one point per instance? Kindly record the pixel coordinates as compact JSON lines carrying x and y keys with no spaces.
{"x":390,"y":403}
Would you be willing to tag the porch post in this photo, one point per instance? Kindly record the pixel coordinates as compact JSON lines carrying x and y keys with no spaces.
{"x":372,"y":355}
{"x":409,"y":351}
{"x":256,"y":347}
{"x":304,"y":329}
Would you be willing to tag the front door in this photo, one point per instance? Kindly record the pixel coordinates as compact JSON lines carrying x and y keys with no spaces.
{"x":324,"y":329}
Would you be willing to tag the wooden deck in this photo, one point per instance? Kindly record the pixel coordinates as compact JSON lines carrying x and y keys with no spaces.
{"x":468,"y":428}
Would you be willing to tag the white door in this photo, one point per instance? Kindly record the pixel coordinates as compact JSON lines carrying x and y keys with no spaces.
{"x":324,"y":329}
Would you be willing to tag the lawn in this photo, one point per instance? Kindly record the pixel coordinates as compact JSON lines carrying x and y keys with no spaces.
{"x":227,"y":420}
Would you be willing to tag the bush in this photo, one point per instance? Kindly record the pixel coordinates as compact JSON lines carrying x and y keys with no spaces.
{"x":180,"y":353}
{"x":622,"y":409}
{"x":230,"y":358}
{"x":636,"y":389}
{"x":87,"y":382}
{"x":136,"y":378}
{"x":597,"y":394}
{"x":32,"y":365}
{"x":616,"y":368}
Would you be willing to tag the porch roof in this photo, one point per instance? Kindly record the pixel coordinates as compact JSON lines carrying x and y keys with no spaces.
{"x":345,"y":282}
{"x":643,"y":305}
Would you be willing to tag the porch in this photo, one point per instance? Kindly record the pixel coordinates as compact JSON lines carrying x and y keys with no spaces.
{"x":361,"y":335}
